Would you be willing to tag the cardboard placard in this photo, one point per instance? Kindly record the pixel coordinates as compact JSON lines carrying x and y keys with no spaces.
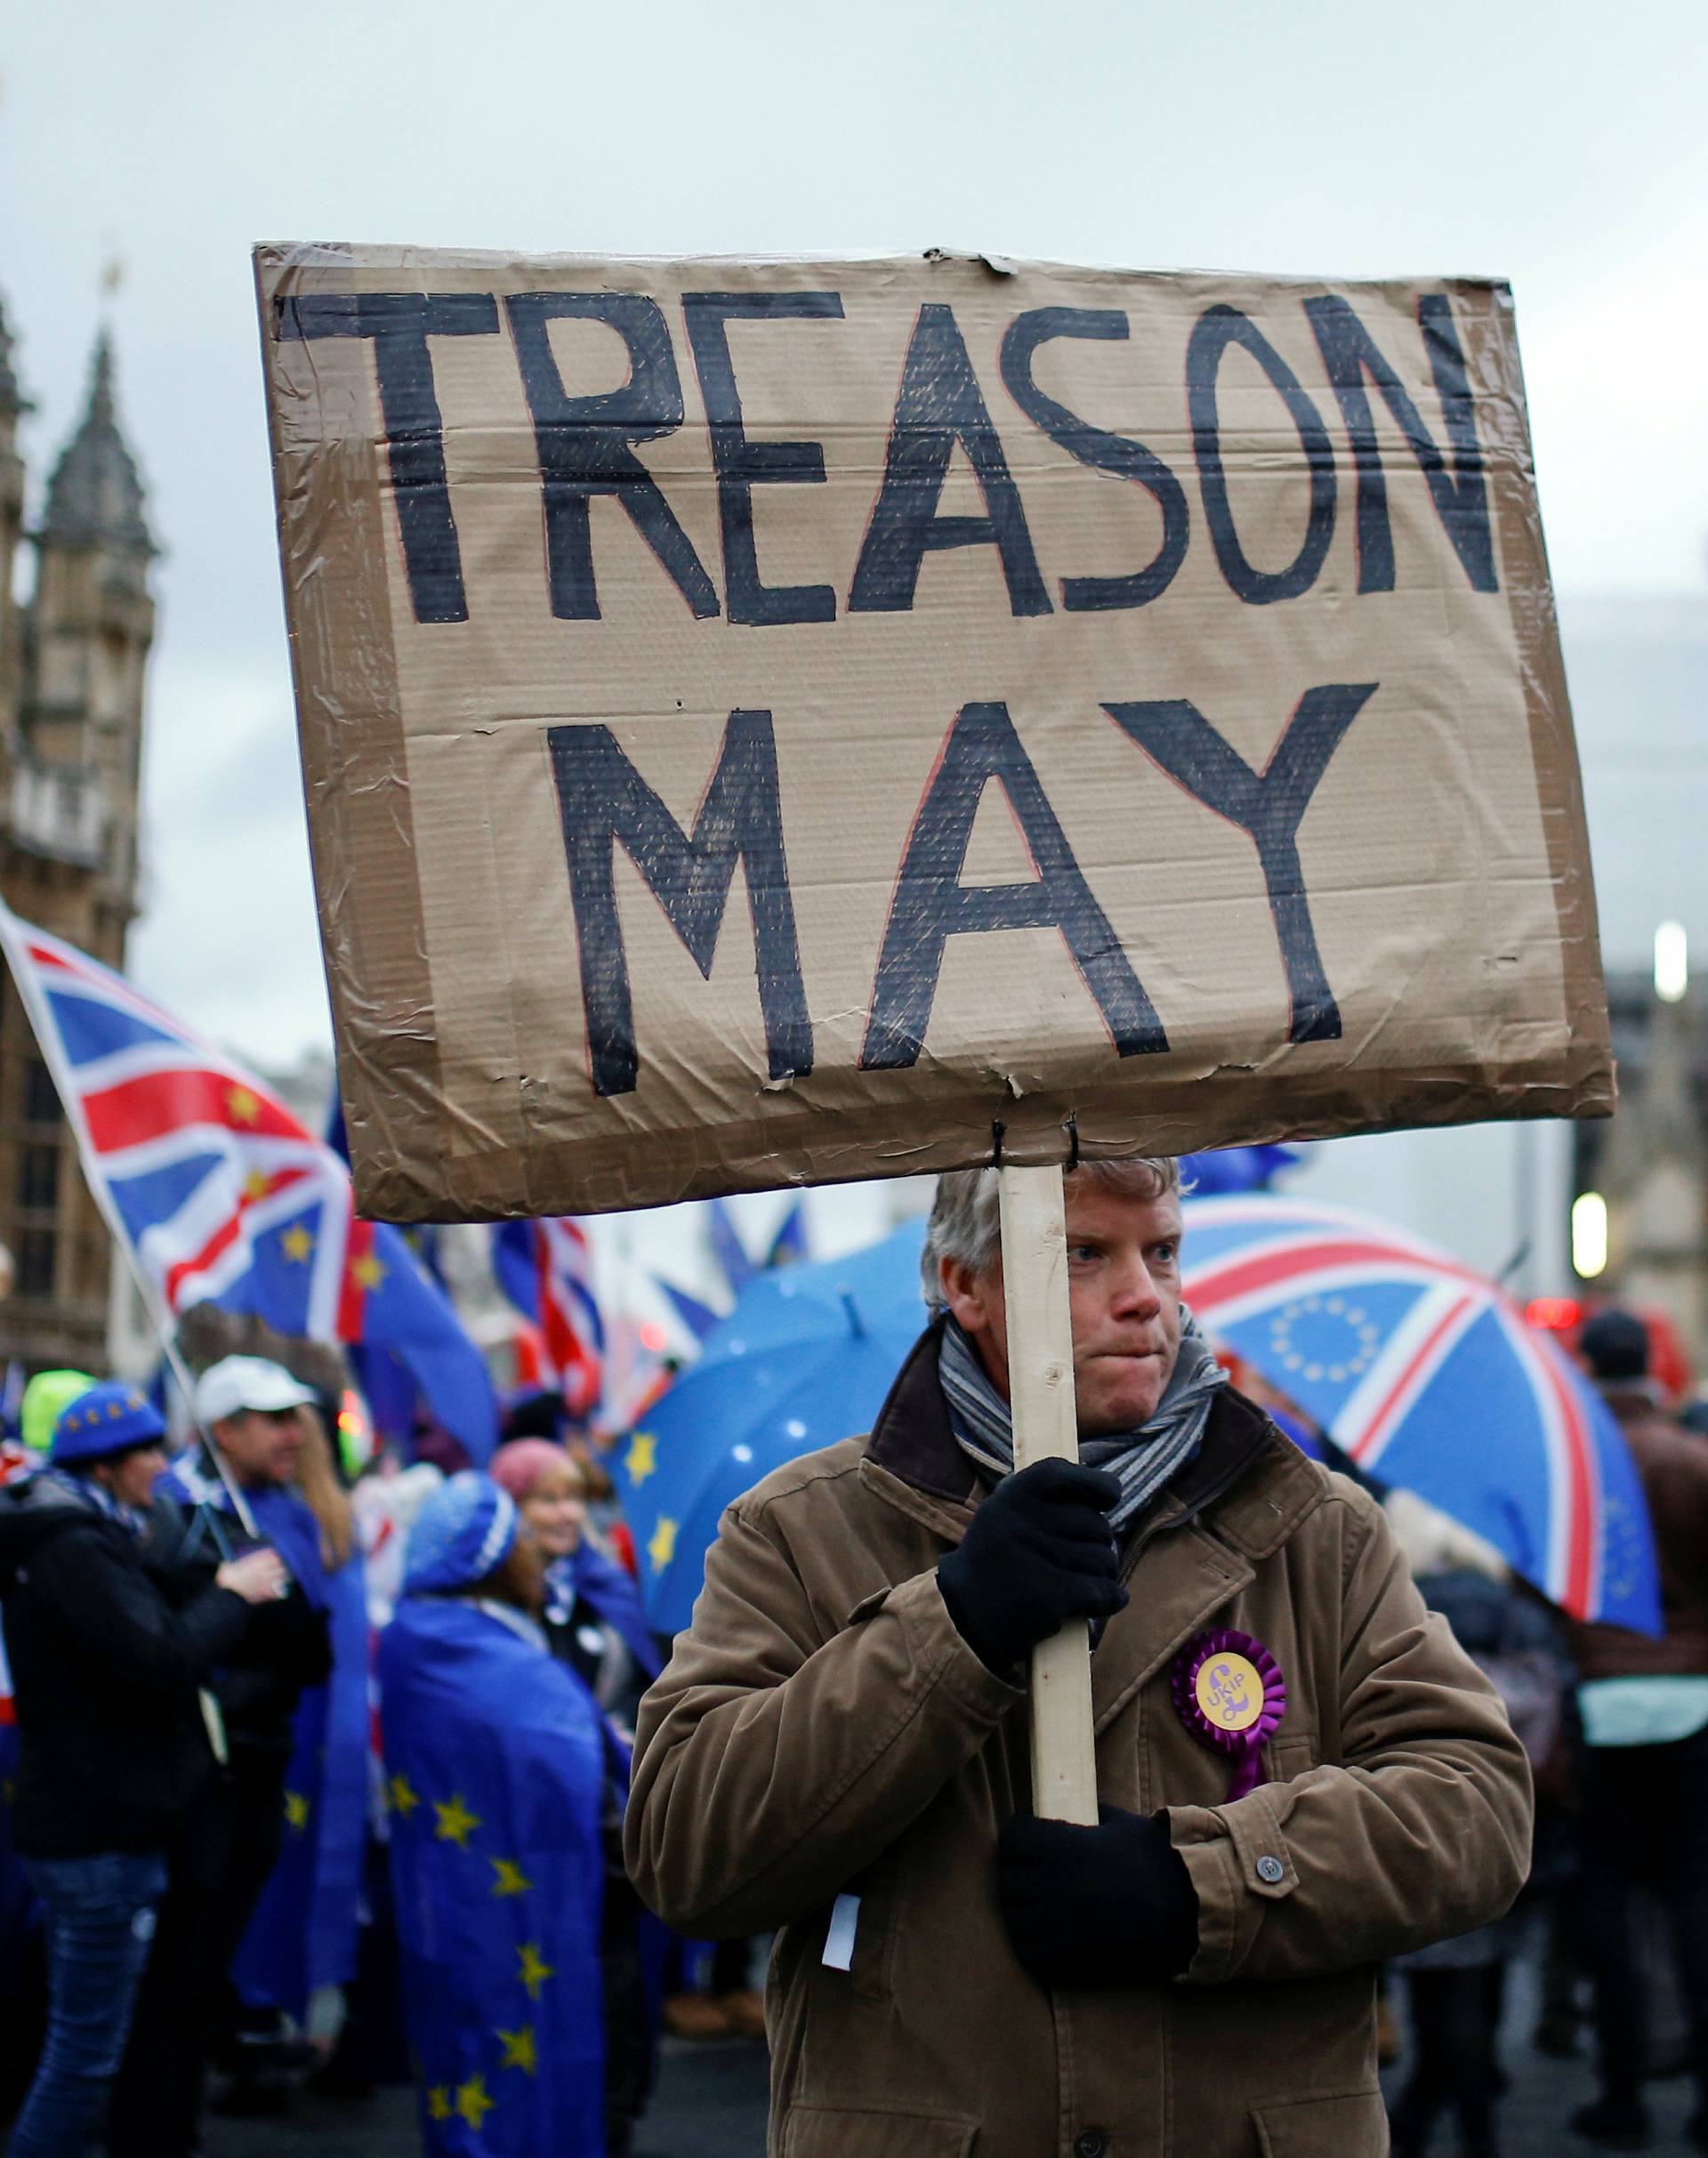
{"x":772,"y":722}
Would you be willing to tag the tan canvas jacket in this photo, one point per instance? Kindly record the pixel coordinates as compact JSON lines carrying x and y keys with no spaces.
{"x":822,"y":1728}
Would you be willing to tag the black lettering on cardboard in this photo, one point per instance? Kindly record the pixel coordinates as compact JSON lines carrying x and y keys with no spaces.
{"x":602,"y":800}
{"x":930,"y":904}
{"x":742,"y":466}
{"x":1460,"y":496}
{"x":1269,"y":805}
{"x":939,"y":404}
{"x":1214,"y":331}
{"x":585,"y":445}
{"x":1095,"y":446}
{"x":398,"y":325}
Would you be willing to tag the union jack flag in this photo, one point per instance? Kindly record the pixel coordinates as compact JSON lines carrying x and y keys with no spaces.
{"x":545,"y":1269}
{"x":218,"y":1193}
{"x":1425,"y":1373}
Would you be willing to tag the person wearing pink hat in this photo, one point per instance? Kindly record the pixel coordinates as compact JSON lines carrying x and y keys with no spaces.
{"x":594,"y":1618}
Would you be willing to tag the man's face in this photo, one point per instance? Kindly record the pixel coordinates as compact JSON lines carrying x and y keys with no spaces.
{"x":260,"y":1446}
{"x":1123,"y":1294}
{"x":132,"y":1476}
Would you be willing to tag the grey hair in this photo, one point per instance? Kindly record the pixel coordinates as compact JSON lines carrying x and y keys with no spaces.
{"x":965,"y":1224}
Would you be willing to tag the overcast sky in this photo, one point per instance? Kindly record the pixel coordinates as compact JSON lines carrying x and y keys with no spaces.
{"x":1553,"y":142}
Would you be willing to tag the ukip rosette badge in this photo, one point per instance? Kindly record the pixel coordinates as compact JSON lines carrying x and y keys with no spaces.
{"x":1231,"y":1697}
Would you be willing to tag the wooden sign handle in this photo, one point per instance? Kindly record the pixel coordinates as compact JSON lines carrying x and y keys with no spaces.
{"x":1041,"y":1394}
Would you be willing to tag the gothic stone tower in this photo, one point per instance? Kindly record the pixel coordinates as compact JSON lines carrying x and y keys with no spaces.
{"x":72,"y":662}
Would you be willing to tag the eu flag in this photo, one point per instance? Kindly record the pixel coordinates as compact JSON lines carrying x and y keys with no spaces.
{"x":306,"y":1927}
{"x":495,"y":1762}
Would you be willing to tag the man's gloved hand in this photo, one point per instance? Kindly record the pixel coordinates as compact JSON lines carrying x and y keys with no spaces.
{"x":1109,"y":1906}
{"x":1039,"y":1552}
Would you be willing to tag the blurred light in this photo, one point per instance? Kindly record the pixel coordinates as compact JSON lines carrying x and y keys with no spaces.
{"x":654,"y":1337}
{"x":1554,"y":1314}
{"x":1671,"y":961}
{"x":355,"y":1434}
{"x":1589,"y":1235}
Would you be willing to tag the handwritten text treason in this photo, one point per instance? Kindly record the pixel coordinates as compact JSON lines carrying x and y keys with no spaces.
{"x":587,"y":448}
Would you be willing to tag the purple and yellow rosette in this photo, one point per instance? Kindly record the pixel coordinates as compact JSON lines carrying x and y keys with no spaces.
{"x":1231,"y":1697}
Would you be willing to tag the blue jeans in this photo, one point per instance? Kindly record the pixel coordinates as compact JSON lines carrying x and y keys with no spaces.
{"x":100,"y":1923}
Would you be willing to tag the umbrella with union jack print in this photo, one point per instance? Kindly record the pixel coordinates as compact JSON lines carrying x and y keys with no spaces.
{"x":1427,"y":1375}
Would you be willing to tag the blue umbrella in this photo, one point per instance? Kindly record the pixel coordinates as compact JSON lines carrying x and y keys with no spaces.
{"x":1427,"y":1375}
{"x":805,"y":1359}
{"x":1235,"y":1169}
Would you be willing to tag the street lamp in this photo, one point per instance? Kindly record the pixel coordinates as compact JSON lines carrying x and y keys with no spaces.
{"x":1589,"y":1235}
{"x":1671,"y":963}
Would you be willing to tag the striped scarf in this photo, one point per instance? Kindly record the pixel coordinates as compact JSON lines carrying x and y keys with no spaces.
{"x":83,"y":1491}
{"x":1141,"y":1461}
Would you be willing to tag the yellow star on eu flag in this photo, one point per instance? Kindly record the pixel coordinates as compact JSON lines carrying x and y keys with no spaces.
{"x":511,"y":1881}
{"x":405,"y":1798}
{"x":297,"y":1244}
{"x":439,"y":2102}
{"x":296,"y":1811}
{"x":454,"y":1822}
{"x":534,"y":1968}
{"x":642,"y":1458}
{"x":254,"y":1186}
{"x":366,"y":1271}
{"x":661,"y":1545}
{"x":472,"y":2102}
{"x":519,"y":2049}
{"x":241,"y":1106}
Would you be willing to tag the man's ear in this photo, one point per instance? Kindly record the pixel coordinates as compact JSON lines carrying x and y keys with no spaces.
{"x":969,"y":1295}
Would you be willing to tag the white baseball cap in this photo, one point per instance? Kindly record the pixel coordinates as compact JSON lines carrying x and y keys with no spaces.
{"x":236,"y":1383}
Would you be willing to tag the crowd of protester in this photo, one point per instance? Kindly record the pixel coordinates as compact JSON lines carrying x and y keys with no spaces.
{"x":209,"y":1860}
{"x":1616,"y":1725}
{"x":318,"y":1767}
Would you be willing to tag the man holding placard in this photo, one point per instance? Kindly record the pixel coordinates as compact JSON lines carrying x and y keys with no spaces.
{"x":1299,"y":1772}
{"x":770,"y":723}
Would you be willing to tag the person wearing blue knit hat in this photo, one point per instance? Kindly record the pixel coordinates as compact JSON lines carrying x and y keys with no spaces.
{"x":107,"y":1663}
{"x":499,"y":1775}
{"x":465,"y":1532}
{"x":113,"y":1425}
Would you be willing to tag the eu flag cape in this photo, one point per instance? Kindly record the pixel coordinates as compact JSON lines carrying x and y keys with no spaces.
{"x":496,"y":1764}
{"x":305,"y":1931}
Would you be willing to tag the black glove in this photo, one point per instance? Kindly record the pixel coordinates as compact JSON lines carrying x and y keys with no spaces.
{"x":1109,"y":1906}
{"x":1039,"y":1552}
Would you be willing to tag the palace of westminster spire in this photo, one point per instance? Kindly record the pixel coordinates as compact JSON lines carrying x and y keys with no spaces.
{"x":77,"y":623}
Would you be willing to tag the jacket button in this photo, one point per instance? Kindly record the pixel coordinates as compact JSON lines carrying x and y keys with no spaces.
{"x":1270,"y":1870}
{"x":1091,"y":2143}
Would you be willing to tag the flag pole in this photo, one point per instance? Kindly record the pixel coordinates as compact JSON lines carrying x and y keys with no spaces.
{"x":179,"y":1371}
{"x":159,"y":1317}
